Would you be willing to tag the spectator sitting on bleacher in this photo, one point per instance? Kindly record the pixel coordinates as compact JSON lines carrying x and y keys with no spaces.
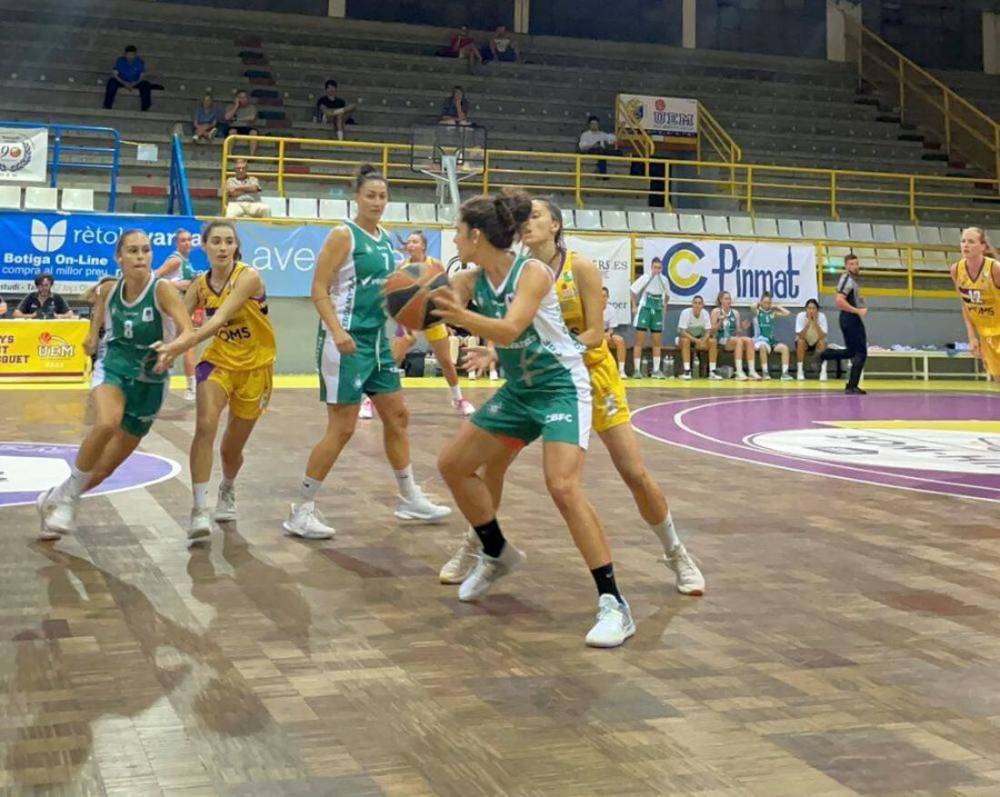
{"x":614,"y":340}
{"x":594,"y":141}
{"x":764,"y":312}
{"x":206,"y":121}
{"x":331,"y":109}
{"x":501,"y":47}
{"x":243,"y":193}
{"x":43,"y":303}
{"x":810,"y":337}
{"x":241,"y":118}
{"x":462,"y":45}
{"x":694,"y":332}
{"x":127,"y":72}
{"x":455,"y":109}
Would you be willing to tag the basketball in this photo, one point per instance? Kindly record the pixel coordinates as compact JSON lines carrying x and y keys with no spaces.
{"x":408,"y":294}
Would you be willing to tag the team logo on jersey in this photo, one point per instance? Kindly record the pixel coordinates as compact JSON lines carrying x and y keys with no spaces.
{"x":27,"y":469}
{"x":147,"y":314}
{"x":937,"y":443}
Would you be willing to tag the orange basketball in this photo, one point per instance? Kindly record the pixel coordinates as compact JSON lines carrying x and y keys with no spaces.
{"x":407,"y":294}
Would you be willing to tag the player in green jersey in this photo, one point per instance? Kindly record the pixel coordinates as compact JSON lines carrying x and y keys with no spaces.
{"x":137,"y":311}
{"x":547,"y":394}
{"x":764,"y":312}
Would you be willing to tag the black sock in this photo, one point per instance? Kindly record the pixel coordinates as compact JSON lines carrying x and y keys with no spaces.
{"x":604,"y":577}
{"x":492,"y":538}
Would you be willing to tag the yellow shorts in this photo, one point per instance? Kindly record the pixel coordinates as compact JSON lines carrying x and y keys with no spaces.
{"x":249,"y":392}
{"x":990,"y":348}
{"x":610,"y":401}
{"x":436,"y":333}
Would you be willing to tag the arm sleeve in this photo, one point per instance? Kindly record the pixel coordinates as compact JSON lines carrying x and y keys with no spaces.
{"x":685,"y":320}
{"x":844,"y":284}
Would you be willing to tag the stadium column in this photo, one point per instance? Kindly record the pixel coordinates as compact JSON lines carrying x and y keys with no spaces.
{"x":837,"y":12}
{"x":522,"y":16}
{"x":689,"y":24}
{"x":991,"y":42}
{"x":336,"y":8}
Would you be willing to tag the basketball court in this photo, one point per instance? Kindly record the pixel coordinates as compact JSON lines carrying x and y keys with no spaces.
{"x":845,"y":644}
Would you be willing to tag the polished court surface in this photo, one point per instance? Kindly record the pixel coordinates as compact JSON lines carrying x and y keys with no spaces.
{"x":848,"y":641}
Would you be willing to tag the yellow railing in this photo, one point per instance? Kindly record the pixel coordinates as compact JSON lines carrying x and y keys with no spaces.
{"x":746,"y":187}
{"x":925,"y":101}
{"x":713,"y":137}
{"x":628,"y":128}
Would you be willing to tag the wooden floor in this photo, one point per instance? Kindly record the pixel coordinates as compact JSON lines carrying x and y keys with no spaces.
{"x":848,"y":642}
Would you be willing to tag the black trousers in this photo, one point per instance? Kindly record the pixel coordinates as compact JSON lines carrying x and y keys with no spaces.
{"x":856,"y":341}
{"x":145,"y":93}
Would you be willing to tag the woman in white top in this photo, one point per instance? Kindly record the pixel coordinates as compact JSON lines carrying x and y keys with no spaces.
{"x":811,"y":329}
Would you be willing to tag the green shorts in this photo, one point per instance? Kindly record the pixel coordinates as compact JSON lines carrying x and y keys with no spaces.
{"x":557,"y":416}
{"x":650,"y":317}
{"x":370,"y":370}
{"x":142,"y":402}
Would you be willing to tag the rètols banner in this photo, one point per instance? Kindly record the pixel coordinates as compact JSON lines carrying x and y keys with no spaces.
{"x":23,"y":153}
{"x":745,"y":269}
{"x":286,"y":255}
{"x":78,"y":249}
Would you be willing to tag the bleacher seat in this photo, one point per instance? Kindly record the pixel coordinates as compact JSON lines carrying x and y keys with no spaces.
{"x":929,"y":235}
{"x":860,"y":231}
{"x":615,"y":220}
{"x":38,"y":197}
{"x":10,"y":196}
{"x":765,"y":228}
{"x":789,"y":228}
{"x":717,"y":225}
{"x":837,"y":231}
{"x":422,"y":212}
{"x":640,"y":221}
{"x":588,"y":219}
{"x":278,"y":206}
{"x":741,"y":226}
{"x":333,"y":209}
{"x":395,"y":211}
{"x":79,"y":199}
{"x":907,"y":234}
{"x":691,"y":223}
{"x":883,"y":233}
{"x":301,"y":207}
{"x":665,"y":222}
{"x":951,"y":236}
{"x":814,"y":229}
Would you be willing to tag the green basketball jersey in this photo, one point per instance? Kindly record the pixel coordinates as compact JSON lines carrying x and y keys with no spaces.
{"x":727,"y":326}
{"x":545,"y":355}
{"x":765,"y":325}
{"x":356,"y":292}
{"x":132,"y":327}
{"x":186,"y":271}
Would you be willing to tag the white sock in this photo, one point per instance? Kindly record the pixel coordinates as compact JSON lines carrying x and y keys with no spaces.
{"x":309,"y":488}
{"x":637,"y":362}
{"x":456,"y":392}
{"x":200,"y":495}
{"x":667,"y":533}
{"x":621,"y":368}
{"x":656,"y":364}
{"x":72,"y":488}
{"x":407,"y":485}
{"x":801,"y":370}
{"x":711,"y":368}
{"x":340,"y":135}
{"x":227,"y":484}
{"x":822,"y":368}
{"x":191,"y":383}
{"x":739,"y":365}
{"x":687,"y":368}
{"x":784,"y":369}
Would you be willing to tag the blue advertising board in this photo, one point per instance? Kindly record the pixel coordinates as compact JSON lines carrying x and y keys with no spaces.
{"x":78,"y":248}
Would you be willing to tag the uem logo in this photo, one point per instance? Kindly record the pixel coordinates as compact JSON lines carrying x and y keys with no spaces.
{"x":679,"y":261}
{"x":48,"y":239}
{"x":54,"y":347}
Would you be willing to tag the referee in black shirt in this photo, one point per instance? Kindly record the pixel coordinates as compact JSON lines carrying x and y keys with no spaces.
{"x":852,"y":311}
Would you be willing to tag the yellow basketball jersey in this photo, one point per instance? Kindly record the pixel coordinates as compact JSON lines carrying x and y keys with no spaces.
{"x":247,"y":340}
{"x":981,"y":297}
{"x":568,"y":294}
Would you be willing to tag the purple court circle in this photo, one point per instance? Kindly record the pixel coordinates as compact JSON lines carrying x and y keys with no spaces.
{"x":910,"y":441}
{"x":26,"y":469}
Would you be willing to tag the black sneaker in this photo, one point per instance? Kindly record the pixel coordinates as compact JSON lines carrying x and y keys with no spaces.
{"x":855,"y":391}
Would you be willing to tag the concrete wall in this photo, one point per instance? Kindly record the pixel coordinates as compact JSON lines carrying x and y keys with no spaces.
{"x":774,"y":27}
{"x":477,"y":14}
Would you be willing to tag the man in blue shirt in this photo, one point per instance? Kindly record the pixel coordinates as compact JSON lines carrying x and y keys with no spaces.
{"x":128,"y":73}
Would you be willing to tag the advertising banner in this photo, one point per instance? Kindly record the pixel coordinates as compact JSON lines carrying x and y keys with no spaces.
{"x":24,"y":152}
{"x":39,"y":349}
{"x":663,"y":118}
{"x":744,"y":268}
{"x":613,"y":256}
{"x":78,"y":249}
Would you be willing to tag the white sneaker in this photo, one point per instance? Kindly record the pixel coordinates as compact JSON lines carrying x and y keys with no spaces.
{"x":755,"y":375}
{"x":473,"y":375}
{"x":487,"y":570}
{"x":460,"y":565}
{"x":686,"y":375}
{"x":822,"y":376}
{"x":658,"y":375}
{"x":786,"y":377}
{"x":44,"y":506}
{"x":614,"y":623}
{"x":741,"y":377}
{"x":715,"y":376}
{"x":200,"y":526}
{"x":800,"y":376}
{"x":690,"y":581}
{"x":225,"y":506}
{"x":420,"y":508}
{"x":464,"y":406}
{"x":305,"y":521}
{"x":367,"y":411}
{"x":189,"y":394}
{"x":765,"y":375}
{"x":494,"y":376}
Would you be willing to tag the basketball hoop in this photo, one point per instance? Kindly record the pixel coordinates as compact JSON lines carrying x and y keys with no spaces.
{"x":449,"y":154}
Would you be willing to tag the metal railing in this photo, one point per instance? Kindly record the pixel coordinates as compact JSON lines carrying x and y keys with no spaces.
{"x":741,"y":187}
{"x":628,"y":128}
{"x":713,"y":138}
{"x":58,"y":150}
{"x":924,"y":101}
{"x":179,"y":200}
